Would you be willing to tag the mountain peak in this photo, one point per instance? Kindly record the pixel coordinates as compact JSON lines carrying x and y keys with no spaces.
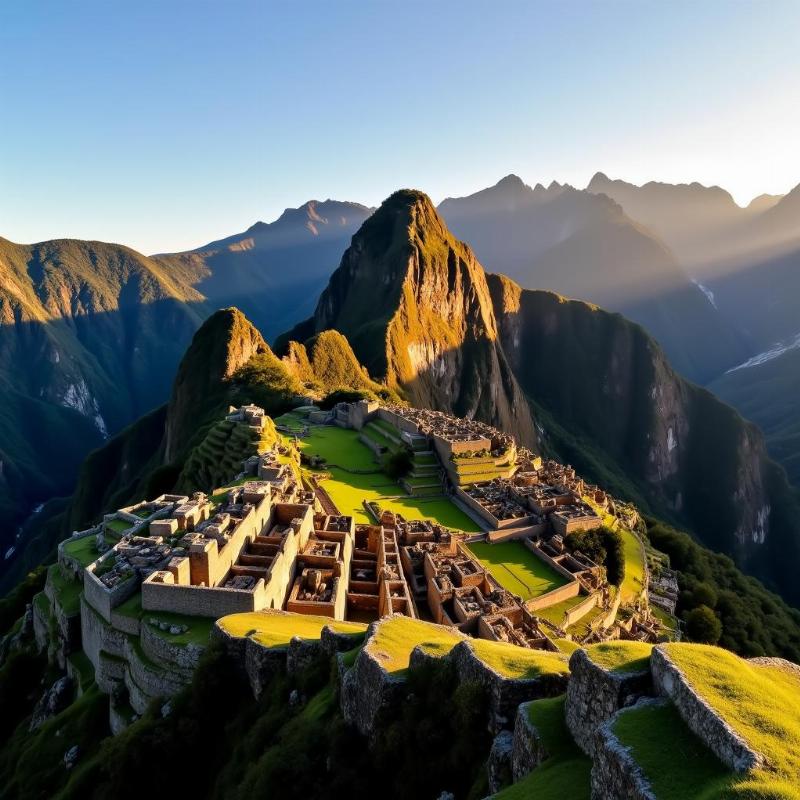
{"x":511,"y":181}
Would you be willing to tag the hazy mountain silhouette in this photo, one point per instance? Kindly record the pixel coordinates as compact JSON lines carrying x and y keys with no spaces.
{"x":583,"y":245}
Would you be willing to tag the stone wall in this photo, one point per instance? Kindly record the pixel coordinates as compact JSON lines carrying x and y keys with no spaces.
{"x":510,"y":534}
{"x":595,"y":694}
{"x":582,"y":609}
{"x":528,"y":750}
{"x":201,"y":601}
{"x":565,"y":592}
{"x":100,"y":597}
{"x":615,"y":774}
{"x":701,"y":718}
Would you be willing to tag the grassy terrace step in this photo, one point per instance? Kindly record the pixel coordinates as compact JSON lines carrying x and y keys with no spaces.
{"x":397,"y":636}
{"x":199,"y":628}
{"x":277,"y":628}
{"x":621,"y":656}
{"x":760,"y":702}
{"x":687,"y":769}
{"x":517,"y":569}
{"x":82,"y":550}
{"x":565,"y":775}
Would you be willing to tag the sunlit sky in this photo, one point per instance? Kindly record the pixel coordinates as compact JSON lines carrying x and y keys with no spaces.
{"x":164,"y":124}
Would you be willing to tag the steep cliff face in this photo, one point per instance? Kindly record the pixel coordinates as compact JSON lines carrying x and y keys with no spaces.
{"x":616,"y":407}
{"x":415,"y":306}
{"x":222,"y":346}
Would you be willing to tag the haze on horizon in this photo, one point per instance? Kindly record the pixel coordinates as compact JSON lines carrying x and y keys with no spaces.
{"x":223,"y":123}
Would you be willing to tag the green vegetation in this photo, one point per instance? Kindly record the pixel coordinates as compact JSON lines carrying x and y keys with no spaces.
{"x":68,"y":592}
{"x":218,"y":458}
{"x":83,"y":550}
{"x":755,"y":622}
{"x":517,"y":569}
{"x":760,"y":702}
{"x":702,"y":625}
{"x":686,"y":770}
{"x":519,"y":662}
{"x":198,"y":628}
{"x":604,"y":546}
{"x":276,"y":629}
{"x":13,"y":605}
{"x":83,"y":667}
{"x":396,"y":637}
{"x":565,"y":775}
{"x":356,"y":478}
{"x":621,"y":656}
{"x":118,"y":526}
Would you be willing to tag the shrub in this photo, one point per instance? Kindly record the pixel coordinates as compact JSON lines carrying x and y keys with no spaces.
{"x":398,"y":464}
{"x":703,"y":626}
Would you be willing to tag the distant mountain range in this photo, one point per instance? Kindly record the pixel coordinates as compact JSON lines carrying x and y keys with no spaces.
{"x":91,"y":333}
{"x":583,"y":245}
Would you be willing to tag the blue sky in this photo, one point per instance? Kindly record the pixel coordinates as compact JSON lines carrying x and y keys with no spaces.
{"x":167,"y":124}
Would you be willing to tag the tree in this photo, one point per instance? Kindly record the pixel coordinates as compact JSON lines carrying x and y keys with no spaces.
{"x":397,"y":464}
{"x":702,"y":625}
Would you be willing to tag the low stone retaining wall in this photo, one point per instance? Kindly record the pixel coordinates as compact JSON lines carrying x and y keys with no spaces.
{"x":595,"y":694}
{"x":261,"y":664}
{"x":701,"y":718}
{"x":528,"y":750}
{"x":615,"y":774}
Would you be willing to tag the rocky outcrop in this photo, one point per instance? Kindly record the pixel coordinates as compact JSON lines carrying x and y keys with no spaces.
{"x":595,"y":694}
{"x":615,"y":774}
{"x":498,"y":766}
{"x":700,"y":717}
{"x":528,"y":749}
{"x":52,"y":702}
{"x":414,"y":304}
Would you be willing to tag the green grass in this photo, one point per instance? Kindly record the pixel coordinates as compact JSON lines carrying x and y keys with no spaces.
{"x":68,"y":592}
{"x":337,"y":446}
{"x":633,"y":582}
{"x":565,"y":775}
{"x":276,"y":629}
{"x":761,"y":703}
{"x":199,"y":628}
{"x":118,"y":525}
{"x":82,"y":550}
{"x":396,"y":637}
{"x":621,"y":656}
{"x":687,"y":769}
{"x":519,"y":662}
{"x":132,"y":607}
{"x":517,"y":569}
{"x":665,"y":618}
{"x":348,"y":490}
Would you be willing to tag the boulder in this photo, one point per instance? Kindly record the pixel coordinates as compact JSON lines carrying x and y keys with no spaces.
{"x":52,"y":702}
